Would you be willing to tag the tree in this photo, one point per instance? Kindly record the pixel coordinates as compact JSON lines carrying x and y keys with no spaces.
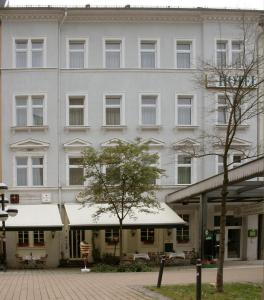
{"x":241,"y":98}
{"x":121,"y":181}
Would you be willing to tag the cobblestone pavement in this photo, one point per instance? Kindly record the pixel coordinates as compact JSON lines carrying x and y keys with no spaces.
{"x":72,"y":284}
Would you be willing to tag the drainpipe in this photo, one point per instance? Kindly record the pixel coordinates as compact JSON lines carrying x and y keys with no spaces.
{"x":60,"y":23}
{"x":259,"y":147}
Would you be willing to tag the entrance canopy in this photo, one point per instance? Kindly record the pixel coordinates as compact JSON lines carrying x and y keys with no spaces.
{"x":81,"y":217}
{"x":35,"y":217}
{"x":240,"y":189}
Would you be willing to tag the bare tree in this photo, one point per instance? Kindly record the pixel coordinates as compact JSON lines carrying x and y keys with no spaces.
{"x":239,"y":86}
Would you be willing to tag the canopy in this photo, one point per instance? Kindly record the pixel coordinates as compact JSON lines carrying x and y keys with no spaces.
{"x":81,"y":217}
{"x":35,"y":217}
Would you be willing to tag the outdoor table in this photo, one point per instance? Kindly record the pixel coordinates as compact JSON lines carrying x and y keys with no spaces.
{"x":170,"y":255}
{"x":31,"y":260}
{"x":141,"y":255}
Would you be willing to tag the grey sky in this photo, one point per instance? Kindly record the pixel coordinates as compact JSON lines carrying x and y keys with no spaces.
{"x":244,"y":4}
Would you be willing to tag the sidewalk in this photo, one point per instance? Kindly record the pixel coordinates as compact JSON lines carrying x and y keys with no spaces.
{"x":72,"y":284}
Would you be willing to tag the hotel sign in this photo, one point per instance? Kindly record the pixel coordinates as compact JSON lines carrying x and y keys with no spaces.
{"x":230,"y":81}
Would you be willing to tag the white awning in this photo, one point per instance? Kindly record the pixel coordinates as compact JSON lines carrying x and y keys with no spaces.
{"x":82,"y":217}
{"x":33,"y":217}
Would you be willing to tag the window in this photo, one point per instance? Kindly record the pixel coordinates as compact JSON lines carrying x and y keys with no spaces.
{"x":237,"y":54}
{"x":21,"y":53}
{"x":76,"y":172}
{"x":147,"y":235}
{"x":233,"y":161}
{"x":111,"y":235}
{"x":155,"y":181}
{"x":38,"y":237}
{"x":29,"y":53}
{"x":184,"y":54}
{"x":76,"y":54}
{"x":184,"y":169}
{"x":29,"y":170}
{"x":184,"y":110}
{"x":229,"y":53}
{"x":220,"y":167}
{"x":113,"y":54}
{"x":149,"y":110}
{"x":23,"y":238}
{"x":148,"y":54}
{"x":113,"y":110}
{"x":237,"y":160}
{"x":221,"y":53}
{"x":77,"y":111}
{"x":183,"y":231}
{"x":222,"y":109}
{"x":29,"y":110}
{"x":37,"y":53}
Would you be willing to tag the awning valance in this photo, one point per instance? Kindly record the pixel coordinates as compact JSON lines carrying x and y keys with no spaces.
{"x":35,"y":217}
{"x":82,"y":217}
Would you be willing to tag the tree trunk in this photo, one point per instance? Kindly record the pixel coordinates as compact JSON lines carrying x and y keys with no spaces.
{"x":220,"y":268}
{"x":120,"y":239}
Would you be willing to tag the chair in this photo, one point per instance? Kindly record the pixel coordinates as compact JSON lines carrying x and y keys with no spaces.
{"x":21,"y":261}
{"x":42,"y":261}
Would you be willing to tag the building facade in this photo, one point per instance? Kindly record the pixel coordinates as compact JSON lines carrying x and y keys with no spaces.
{"x":73,"y":78}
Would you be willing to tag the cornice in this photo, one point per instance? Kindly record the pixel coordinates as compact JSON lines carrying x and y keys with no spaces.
{"x":126,"y":16}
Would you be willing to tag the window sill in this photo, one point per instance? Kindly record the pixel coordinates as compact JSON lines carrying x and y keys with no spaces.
{"x":76,"y":128}
{"x":31,"y":247}
{"x":29,"y":128}
{"x":150,"y":127}
{"x":224,"y":126}
{"x":114,"y":127}
{"x":184,"y":127}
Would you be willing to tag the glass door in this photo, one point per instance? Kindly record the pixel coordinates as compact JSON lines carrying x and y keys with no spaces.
{"x":76,"y":236}
{"x":233,"y":243}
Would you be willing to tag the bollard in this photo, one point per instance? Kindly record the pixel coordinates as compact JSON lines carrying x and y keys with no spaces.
{"x":198,"y":279}
{"x":162,"y":262}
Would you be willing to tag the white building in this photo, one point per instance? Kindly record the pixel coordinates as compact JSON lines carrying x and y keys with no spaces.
{"x":77,"y":77}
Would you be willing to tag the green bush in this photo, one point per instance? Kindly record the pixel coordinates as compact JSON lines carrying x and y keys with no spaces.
{"x":134,"y":267}
{"x":110,"y":259}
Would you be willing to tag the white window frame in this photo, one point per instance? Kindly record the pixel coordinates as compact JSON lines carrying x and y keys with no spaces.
{"x":192,"y":53}
{"x":236,"y":51}
{"x":229,"y":51}
{"x":80,"y":39}
{"x":230,"y":159}
{"x":242,"y":108}
{"x":85,"y":109}
{"x":29,"y":51}
{"x":158,"y":108}
{"x":217,"y":107}
{"x":29,"y":108}
{"x":158,"y":165}
{"x":122,"y":108}
{"x":226,"y":51}
{"x":193,"y":169}
{"x":122,"y":50}
{"x":193,"y":110}
{"x":157,"y":52}
{"x":68,"y":156}
{"x":29,"y":156}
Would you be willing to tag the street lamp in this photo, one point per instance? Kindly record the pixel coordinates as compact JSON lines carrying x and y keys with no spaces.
{"x":4,"y":214}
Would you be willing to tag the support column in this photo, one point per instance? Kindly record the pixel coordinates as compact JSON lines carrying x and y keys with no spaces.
{"x":202,"y":223}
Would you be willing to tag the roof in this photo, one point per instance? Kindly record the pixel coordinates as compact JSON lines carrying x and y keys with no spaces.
{"x":240,"y":189}
{"x":128,"y":7}
{"x":82,"y":217}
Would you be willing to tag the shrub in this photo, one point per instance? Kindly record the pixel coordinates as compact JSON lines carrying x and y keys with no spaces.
{"x":110,"y":259}
{"x":134,"y":267}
